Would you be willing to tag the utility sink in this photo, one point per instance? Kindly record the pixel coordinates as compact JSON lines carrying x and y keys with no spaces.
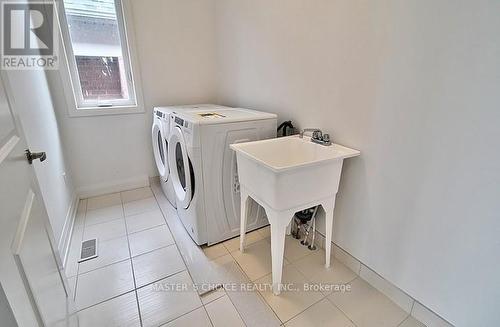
{"x":290,"y":171}
{"x":286,"y":175}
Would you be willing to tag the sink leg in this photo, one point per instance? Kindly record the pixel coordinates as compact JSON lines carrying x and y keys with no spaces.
{"x":278,"y":229}
{"x":243,"y":219}
{"x":329,"y":208}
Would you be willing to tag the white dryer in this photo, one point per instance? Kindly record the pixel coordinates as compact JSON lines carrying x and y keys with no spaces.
{"x":161,"y":134}
{"x":203,"y":169}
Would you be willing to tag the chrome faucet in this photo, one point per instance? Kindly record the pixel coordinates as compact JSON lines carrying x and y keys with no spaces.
{"x":317,"y":136}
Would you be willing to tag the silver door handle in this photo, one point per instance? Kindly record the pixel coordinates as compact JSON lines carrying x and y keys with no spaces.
{"x":35,"y":155}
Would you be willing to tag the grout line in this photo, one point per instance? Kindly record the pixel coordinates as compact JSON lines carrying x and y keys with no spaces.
{"x":184,"y":314}
{"x":149,"y":251}
{"x":106,"y":300}
{"x":143,"y":230}
{"x":241,"y":270}
{"x":140,"y":213}
{"x":209,"y":319}
{"x":159,"y":279}
{"x":257,"y":292}
{"x":183,"y":260}
{"x":316,"y":302}
{"x":103,"y":222}
{"x":129,"y":258}
{"x":404,"y":319}
{"x":343,"y":312}
{"x":104,"y":266}
{"x":235,"y":308}
{"x":323,"y":295}
{"x":233,"y":260}
{"x":131,"y":265}
{"x":133,"y":273}
{"x":189,"y":273}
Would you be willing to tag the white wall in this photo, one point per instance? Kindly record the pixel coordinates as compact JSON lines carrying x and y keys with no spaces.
{"x":176,"y":51}
{"x":34,"y":105}
{"x":415,"y":86}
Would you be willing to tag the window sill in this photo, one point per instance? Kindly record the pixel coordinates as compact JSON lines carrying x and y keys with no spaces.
{"x":106,"y":111}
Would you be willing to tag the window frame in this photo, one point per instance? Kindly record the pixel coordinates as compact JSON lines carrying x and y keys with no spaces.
{"x":71,"y":79}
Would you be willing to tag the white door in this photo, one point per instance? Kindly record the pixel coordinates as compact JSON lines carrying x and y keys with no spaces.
{"x":31,"y":273}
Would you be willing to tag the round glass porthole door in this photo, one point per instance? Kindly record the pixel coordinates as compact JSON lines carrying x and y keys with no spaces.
{"x":159,"y":149}
{"x":167,"y":164}
{"x":180,"y":171}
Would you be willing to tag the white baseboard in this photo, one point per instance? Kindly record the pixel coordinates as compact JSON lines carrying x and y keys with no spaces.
{"x":64,"y":240}
{"x":112,"y":187}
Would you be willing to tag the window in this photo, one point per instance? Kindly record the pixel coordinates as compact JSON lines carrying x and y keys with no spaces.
{"x":98,"y":54}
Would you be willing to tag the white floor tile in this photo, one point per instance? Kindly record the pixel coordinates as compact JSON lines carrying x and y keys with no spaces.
{"x":313,"y":268}
{"x":256,"y":260}
{"x":251,"y":306}
{"x":157,"y":265}
{"x":294,"y":250}
{"x":109,"y":252}
{"x":213,"y":295}
{"x":366,"y":306}
{"x":265,"y":232}
{"x":140,"y":206}
{"x":106,"y":231}
{"x":117,"y":312}
{"x":290,"y":302}
{"x":159,"y":303}
{"x":196,"y":318}
{"x":103,"y":201}
{"x":234,"y":243}
{"x":104,"y":283}
{"x":321,"y":314}
{"x":215,"y":251}
{"x":143,"y":221}
{"x":103,"y":215}
{"x":137,"y":194}
{"x":223,"y":313}
{"x":411,"y":322}
{"x":149,"y":240}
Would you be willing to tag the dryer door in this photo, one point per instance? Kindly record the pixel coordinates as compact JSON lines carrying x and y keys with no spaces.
{"x":166,"y":136}
{"x":159,"y":148}
{"x":180,"y":170}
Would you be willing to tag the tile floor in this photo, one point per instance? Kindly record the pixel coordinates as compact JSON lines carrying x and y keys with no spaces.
{"x":133,"y":281}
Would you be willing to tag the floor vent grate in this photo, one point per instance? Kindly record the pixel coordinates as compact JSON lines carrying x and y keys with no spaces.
{"x":89,"y":250}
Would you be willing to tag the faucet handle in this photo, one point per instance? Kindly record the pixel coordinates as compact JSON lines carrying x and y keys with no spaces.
{"x":317,"y":135}
{"x":326,"y":139}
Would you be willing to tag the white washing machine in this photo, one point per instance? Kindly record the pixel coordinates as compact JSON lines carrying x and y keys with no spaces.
{"x":203,"y":169}
{"x":160,"y":134}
